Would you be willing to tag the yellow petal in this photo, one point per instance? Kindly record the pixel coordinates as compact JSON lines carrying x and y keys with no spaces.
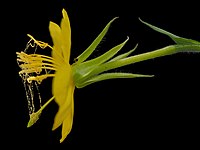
{"x":56,"y":36}
{"x":63,"y":90}
{"x":61,"y":36}
{"x":67,"y":123}
{"x":66,"y":34}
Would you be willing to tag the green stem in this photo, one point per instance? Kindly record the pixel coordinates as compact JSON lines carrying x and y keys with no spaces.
{"x":168,"y":50}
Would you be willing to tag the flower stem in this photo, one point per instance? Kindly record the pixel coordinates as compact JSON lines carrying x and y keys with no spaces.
{"x":168,"y":50}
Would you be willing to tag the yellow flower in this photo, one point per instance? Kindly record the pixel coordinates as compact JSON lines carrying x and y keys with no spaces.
{"x":37,"y":67}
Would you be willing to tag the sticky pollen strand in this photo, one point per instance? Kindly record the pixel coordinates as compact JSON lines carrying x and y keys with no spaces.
{"x":29,"y":98}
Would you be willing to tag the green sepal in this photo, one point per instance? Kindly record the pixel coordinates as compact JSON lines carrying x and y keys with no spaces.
{"x":106,"y":76}
{"x":124,"y":55}
{"x":175,"y":38}
{"x":82,"y":57}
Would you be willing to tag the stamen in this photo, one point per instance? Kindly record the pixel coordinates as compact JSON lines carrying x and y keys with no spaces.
{"x":36,"y":70}
{"x":23,"y":57}
{"x":34,"y":63}
{"x":39,"y":78}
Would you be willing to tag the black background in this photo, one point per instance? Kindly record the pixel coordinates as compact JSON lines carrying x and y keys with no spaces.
{"x":153,"y":112}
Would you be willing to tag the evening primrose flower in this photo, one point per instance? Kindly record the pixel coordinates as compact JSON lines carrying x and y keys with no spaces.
{"x":83,"y":72}
{"x":37,"y":67}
